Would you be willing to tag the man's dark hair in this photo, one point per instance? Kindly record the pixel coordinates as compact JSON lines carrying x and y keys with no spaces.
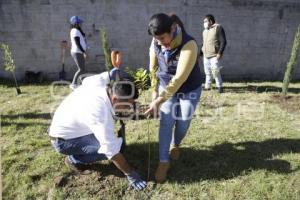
{"x":159,"y":24}
{"x":124,"y":89}
{"x":210,"y":18}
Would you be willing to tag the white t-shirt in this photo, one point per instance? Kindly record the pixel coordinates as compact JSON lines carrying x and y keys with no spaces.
{"x":88,"y":110}
{"x":76,"y":33}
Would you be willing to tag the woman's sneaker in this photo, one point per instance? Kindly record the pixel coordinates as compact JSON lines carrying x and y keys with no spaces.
{"x":162,"y":171}
{"x":174,"y":152}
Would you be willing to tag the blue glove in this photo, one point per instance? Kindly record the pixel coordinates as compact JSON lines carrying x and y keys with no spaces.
{"x":114,"y":74}
{"x":135,"y":180}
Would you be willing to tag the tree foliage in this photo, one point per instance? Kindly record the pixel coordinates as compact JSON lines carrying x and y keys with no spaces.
{"x":106,"y":49}
{"x":141,"y":78}
{"x":9,"y":64}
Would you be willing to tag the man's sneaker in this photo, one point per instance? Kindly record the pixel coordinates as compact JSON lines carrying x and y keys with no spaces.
{"x":78,"y":168}
{"x":206,"y":89}
{"x":220,"y":90}
{"x":73,"y":86}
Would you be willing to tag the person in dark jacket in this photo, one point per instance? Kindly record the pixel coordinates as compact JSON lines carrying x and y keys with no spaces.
{"x":176,"y":85}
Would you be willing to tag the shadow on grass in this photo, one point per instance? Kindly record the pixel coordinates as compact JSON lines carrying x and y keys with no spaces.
{"x":222,"y":161}
{"x":10,"y":83}
{"x":28,"y":116}
{"x":258,"y":89}
{"x":20,"y":125}
{"x":8,"y":120}
{"x":101,"y":170}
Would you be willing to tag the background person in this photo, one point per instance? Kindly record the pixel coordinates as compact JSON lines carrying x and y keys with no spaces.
{"x":78,"y":48}
{"x":214,"y":43}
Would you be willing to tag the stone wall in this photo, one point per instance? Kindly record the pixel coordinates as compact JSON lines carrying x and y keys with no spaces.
{"x":259,"y":32}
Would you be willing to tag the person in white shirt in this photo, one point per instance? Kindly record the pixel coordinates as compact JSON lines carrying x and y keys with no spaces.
{"x":83,"y":126}
{"x":78,"y":48}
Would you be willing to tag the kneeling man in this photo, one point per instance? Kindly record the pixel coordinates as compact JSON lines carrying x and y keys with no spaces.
{"x":83,"y":125}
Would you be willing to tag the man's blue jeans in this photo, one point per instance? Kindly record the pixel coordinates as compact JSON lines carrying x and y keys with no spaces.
{"x":81,"y":150}
{"x":176,"y":113}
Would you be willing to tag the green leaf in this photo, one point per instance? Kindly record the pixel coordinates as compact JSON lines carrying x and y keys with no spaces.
{"x":141,"y":78}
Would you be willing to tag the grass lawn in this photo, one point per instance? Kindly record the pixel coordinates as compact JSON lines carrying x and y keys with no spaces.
{"x":243,"y":144}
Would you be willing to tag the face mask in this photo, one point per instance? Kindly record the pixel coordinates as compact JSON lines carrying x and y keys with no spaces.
{"x":205,"y":25}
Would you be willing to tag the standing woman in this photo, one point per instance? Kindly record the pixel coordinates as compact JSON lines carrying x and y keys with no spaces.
{"x":176,"y":85}
{"x":78,"y":48}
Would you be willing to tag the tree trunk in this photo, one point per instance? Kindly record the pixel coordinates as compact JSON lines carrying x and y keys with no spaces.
{"x":292,"y":62}
{"x":18,"y":90}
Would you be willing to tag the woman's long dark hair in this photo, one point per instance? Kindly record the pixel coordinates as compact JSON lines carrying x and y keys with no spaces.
{"x":77,"y":26}
{"x":162,"y":23}
{"x":178,"y":21}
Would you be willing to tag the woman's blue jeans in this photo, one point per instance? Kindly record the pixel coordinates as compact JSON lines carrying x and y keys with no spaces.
{"x":81,"y":150}
{"x":175,"y":118}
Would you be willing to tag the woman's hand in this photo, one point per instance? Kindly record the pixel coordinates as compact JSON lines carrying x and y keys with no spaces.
{"x":154,"y":95}
{"x":154,"y":106}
